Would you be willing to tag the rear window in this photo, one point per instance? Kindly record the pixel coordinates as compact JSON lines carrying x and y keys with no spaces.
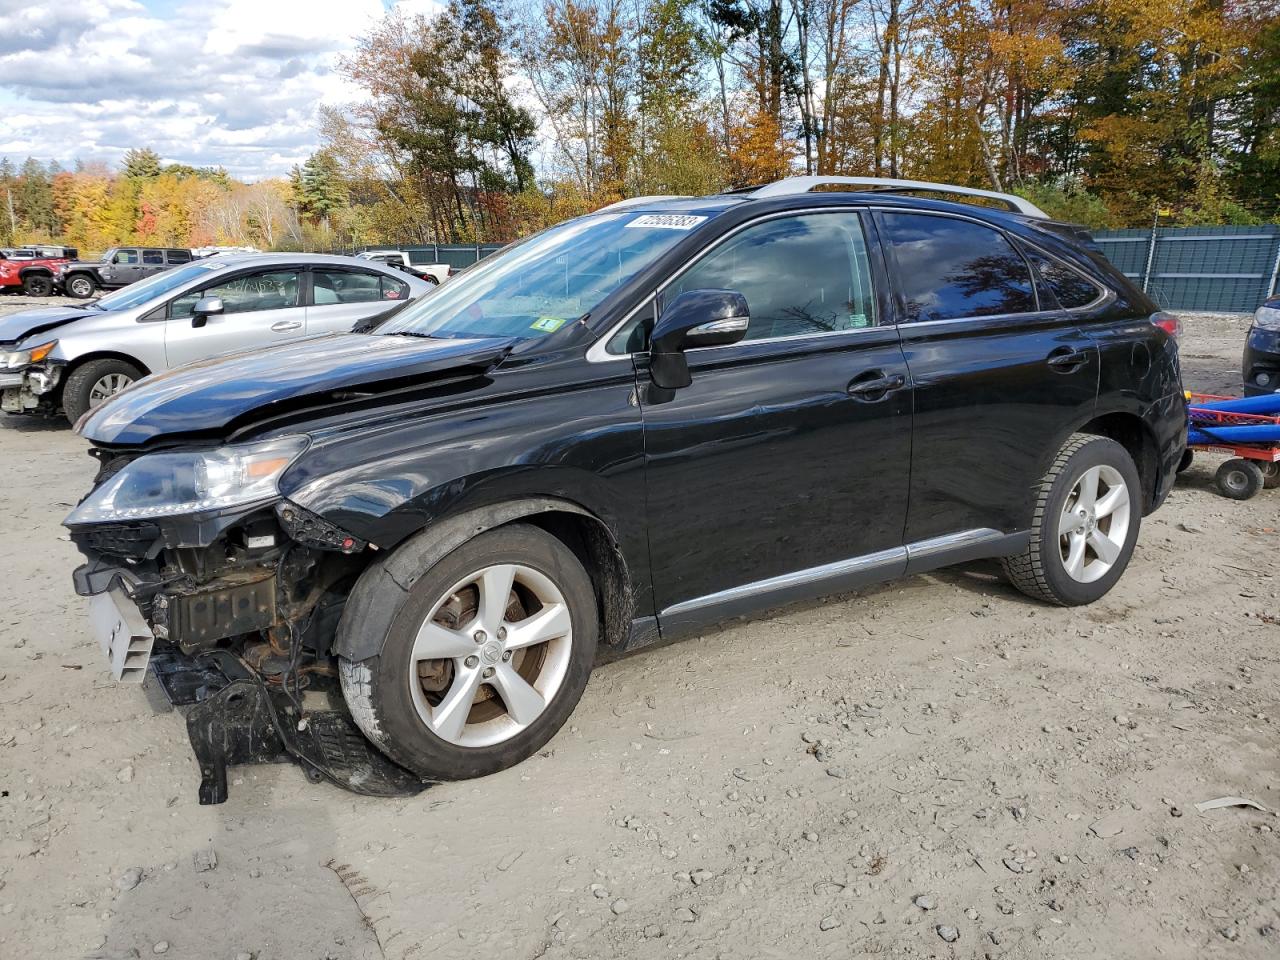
{"x":179,"y":256}
{"x":1071,"y":289}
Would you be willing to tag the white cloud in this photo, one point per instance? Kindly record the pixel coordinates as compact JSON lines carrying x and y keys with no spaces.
{"x":232,"y":83}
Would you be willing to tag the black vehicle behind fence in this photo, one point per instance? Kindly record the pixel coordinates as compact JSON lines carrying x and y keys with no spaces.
{"x":621,"y":430}
{"x":119,"y":267}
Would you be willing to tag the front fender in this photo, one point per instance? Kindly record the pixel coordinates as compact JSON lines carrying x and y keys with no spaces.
{"x":367,"y":616}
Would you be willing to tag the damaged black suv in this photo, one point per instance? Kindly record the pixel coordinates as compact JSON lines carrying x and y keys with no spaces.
{"x":623,"y":429}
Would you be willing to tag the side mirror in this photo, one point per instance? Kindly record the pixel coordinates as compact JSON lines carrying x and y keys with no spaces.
{"x":203,"y":308}
{"x":696,"y":318}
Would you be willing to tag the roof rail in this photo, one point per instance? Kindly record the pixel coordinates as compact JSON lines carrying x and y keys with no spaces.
{"x":794,"y":185}
{"x":636,"y":201}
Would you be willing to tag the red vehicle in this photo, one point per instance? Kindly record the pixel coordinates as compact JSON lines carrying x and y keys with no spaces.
{"x":33,"y":275}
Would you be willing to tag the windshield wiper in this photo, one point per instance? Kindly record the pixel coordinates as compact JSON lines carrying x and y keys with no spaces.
{"x":410,"y":333}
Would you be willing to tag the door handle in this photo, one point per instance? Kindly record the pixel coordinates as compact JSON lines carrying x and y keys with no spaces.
{"x":875,"y":385}
{"x":281,"y":326}
{"x":1067,"y":359}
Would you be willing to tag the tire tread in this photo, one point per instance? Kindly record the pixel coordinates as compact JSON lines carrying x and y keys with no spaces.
{"x":1026,"y":570}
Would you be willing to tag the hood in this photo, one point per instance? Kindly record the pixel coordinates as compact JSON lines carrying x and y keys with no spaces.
{"x":25,"y":323}
{"x":212,"y":395}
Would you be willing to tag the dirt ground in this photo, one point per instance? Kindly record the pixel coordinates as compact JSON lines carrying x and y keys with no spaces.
{"x":937,"y":758}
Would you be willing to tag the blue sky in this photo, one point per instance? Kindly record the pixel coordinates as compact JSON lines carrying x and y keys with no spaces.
{"x":231,"y":83}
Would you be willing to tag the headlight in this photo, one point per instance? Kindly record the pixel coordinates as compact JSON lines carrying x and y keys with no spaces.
{"x":1268,"y":318}
{"x":171,"y":484}
{"x":17,"y":359}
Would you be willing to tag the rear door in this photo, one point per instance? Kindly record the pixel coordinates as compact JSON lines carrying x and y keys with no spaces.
{"x":152,"y":262}
{"x":1000,"y":373}
{"x":259,"y":309}
{"x":342,"y":297}
{"x":776,"y":473}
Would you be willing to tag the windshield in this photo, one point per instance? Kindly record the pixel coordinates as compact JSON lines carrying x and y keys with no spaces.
{"x":535,"y":287}
{"x":139,"y":293}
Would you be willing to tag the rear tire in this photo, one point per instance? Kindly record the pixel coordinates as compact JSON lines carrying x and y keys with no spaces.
{"x":94,"y":382}
{"x":495,"y":694}
{"x":79,"y":285}
{"x":1085,"y":524}
{"x":1239,"y":479}
{"x":37,"y":286}
{"x":1270,"y":474}
{"x":1188,"y":458}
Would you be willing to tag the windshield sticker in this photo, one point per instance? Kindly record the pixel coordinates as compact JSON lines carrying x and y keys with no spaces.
{"x":548,"y":324}
{"x":666,"y":221}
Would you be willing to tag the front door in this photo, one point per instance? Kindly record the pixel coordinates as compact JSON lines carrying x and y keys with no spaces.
{"x":1001,"y":374}
{"x":125,"y":268}
{"x":259,"y":309}
{"x":778,"y":473}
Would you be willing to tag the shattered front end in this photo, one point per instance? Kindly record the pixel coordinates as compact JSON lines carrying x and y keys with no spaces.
{"x":199,"y":573}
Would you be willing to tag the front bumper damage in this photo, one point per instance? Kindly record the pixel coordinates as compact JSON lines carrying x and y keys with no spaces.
{"x":233,"y":616}
{"x":33,"y":390}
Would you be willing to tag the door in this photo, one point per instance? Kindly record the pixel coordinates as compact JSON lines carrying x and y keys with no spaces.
{"x":152,"y":263}
{"x":1000,"y":373}
{"x":341,"y":298}
{"x":782,"y":469}
{"x":125,"y":267}
{"x":259,"y":309}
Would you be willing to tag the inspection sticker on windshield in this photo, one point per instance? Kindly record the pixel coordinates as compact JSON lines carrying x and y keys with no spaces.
{"x":547,"y":324}
{"x":666,"y":221}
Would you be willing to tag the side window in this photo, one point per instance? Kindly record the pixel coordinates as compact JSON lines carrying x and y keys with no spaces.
{"x":329,"y":287}
{"x":950,"y":269}
{"x":178,"y":256}
{"x":275,"y":290}
{"x":1071,"y":289}
{"x":393,"y":289}
{"x":125,"y":257}
{"x":153,"y":257}
{"x":800,"y":275}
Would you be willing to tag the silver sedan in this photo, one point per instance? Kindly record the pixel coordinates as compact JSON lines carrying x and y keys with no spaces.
{"x":74,"y":357}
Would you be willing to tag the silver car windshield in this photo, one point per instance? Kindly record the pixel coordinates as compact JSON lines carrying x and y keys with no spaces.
{"x":136,"y":294}
{"x":539,"y":285}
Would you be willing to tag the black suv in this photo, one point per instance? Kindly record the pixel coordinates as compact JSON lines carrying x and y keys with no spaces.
{"x":621,"y":430}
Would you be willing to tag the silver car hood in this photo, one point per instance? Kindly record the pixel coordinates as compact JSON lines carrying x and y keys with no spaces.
{"x":26,"y":323}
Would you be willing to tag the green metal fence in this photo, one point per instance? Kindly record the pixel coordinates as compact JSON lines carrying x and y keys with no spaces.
{"x":1229,"y":269}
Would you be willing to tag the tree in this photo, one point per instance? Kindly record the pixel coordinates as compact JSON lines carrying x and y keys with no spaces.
{"x":141,"y":164}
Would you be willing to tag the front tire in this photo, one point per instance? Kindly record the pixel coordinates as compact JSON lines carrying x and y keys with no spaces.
{"x":37,"y":286}
{"x":484,"y":661}
{"x":80,"y":286}
{"x":95,"y":382}
{"x":1087,"y":514}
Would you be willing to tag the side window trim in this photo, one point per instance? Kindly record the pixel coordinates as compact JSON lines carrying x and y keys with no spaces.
{"x":1105,"y":294}
{"x":895,"y":271}
{"x":599,"y":352}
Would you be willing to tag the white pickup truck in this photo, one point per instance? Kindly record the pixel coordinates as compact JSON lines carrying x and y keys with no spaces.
{"x":435,"y":273}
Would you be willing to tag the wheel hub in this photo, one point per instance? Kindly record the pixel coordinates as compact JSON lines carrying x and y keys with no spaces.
{"x":491,"y":652}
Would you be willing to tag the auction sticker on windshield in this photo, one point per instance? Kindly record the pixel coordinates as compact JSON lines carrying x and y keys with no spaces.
{"x":666,"y":221}
{"x":548,"y":324}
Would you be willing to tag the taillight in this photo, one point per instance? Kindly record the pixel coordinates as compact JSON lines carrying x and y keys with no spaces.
{"x":1168,"y":322}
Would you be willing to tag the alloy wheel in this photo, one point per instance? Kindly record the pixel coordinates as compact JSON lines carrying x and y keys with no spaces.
{"x":491,"y":655}
{"x":106,"y":387}
{"x":1094,"y":524}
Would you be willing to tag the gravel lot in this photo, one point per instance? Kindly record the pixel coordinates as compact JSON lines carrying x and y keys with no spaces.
{"x":935,"y":768}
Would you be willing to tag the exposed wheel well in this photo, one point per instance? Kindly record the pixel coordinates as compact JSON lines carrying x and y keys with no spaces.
{"x":592,"y":543}
{"x":1129,"y":431}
